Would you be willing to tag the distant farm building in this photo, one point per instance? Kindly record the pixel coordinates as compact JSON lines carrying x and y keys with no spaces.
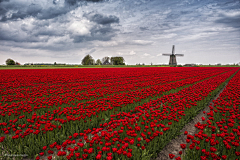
{"x":190,"y":65}
{"x":43,"y":64}
{"x":106,"y":63}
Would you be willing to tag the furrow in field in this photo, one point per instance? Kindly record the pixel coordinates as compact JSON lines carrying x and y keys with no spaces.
{"x":174,"y":147}
{"x":217,"y":137}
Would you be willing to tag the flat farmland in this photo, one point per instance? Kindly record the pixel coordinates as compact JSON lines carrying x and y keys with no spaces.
{"x":118,"y":113}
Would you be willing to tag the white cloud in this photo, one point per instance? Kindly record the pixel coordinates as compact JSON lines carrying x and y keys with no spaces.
{"x":141,"y":42}
{"x":80,"y":28}
{"x":197,"y":36}
{"x":230,"y":13}
{"x":146,"y":54}
{"x":105,"y":43}
{"x":132,"y":53}
{"x":171,"y":35}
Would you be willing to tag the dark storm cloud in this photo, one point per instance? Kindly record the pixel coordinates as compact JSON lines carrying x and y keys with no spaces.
{"x":232,"y":21}
{"x":12,"y":36}
{"x":71,"y":2}
{"x":54,"y":1}
{"x":143,"y":28}
{"x":52,"y":13}
{"x":101,"y":19}
{"x":74,"y":2}
{"x":48,"y":32}
{"x":36,"y":11}
{"x":24,"y":9}
{"x":230,"y":17}
{"x":173,"y":16}
{"x":19,"y":10}
{"x":4,"y":1}
{"x":31,"y":10}
{"x":43,"y":23}
{"x":234,"y":4}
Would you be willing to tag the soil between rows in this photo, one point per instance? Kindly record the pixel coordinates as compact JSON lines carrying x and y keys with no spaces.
{"x":173,"y":147}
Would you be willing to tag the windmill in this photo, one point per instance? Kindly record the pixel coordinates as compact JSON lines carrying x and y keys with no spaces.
{"x":172,"y":60}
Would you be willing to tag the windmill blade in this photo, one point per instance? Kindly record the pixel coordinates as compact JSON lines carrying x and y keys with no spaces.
{"x":166,"y":54}
{"x":173,"y":49}
{"x":179,"y":55}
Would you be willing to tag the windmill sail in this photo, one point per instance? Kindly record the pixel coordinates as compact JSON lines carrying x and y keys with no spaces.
{"x":166,"y":54}
{"x":179,"y":54}
{"x":173,"y":49}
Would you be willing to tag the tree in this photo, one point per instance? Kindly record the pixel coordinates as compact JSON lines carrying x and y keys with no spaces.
{"x":88,"y":60}
{"x":105,"y":60}
{"x":98,"y":62}
{"x":117,"y":61}
{"x":10,"y":62}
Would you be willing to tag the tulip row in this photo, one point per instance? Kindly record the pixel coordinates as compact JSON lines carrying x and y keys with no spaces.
{"x":34,"y":123}
{"x":149,"y":127}
{"x":219,"y":136}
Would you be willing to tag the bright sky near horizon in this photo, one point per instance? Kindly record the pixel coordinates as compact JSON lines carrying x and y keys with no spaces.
{"x":64,"y":31}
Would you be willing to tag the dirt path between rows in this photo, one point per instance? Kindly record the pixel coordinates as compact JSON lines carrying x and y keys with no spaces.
{"x":173,"y":147}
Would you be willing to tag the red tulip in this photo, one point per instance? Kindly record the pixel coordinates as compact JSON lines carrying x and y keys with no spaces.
{"x":98,"y":156}
{"x":171,"y":156}
{"x":183,"y":146}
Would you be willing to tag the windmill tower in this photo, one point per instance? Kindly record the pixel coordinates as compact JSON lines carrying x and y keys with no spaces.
{"x":172,"y":60}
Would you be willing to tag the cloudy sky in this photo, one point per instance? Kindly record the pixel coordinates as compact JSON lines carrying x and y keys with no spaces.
{"x":64,"y":31}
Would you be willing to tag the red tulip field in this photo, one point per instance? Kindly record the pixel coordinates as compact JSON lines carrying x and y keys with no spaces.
{"x":118,"y":113}
{"x":219,"y":137}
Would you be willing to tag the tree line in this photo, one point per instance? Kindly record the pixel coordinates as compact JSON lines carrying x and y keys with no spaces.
{"x":11,"y":62}
{"x":88,"y":60}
